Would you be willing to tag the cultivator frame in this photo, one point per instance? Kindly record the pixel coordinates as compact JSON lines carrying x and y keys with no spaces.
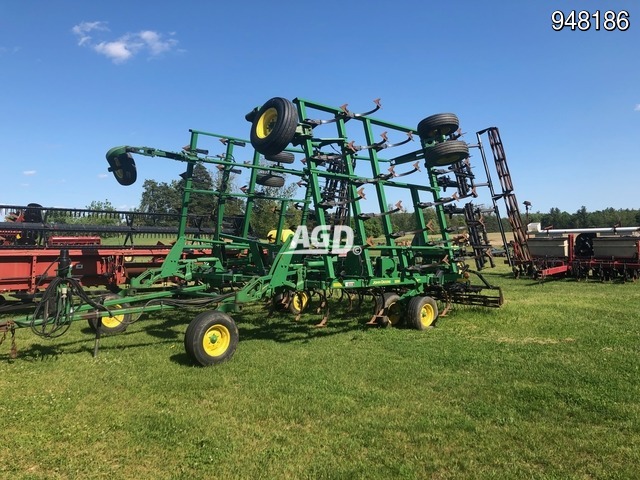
{"x":415,"y":282}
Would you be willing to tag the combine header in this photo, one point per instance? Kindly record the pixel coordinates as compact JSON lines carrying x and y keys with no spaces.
{"x":350,"y":168}
{"x":31,"y":238}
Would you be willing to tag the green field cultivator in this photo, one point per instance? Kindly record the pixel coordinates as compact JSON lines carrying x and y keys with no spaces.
{"x":348,"y":169}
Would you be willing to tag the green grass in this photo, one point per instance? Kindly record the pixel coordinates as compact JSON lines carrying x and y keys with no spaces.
{"x":545,"y":387}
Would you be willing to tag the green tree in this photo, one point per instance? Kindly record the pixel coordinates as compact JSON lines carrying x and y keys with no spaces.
{"x":160,"y":197}
{"x":166,"y":198}
{"x":581,"y":218}
{"x":200,"y":204}
{"x":266,"y":212}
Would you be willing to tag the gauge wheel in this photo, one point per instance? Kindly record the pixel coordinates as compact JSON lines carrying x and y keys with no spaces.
{"x":282,"y":157}
{"x":446,"y":153}
{"x":437,"y":126}
{"x":269,"y":180}
{"x":117,"y":323}
{"x":211,"y":338}
{"x":299,"y":302}
{"x":422,"y":312}
{"x":274,"y":126}
{"x":392,"y":307}
{"x":122,"y":165}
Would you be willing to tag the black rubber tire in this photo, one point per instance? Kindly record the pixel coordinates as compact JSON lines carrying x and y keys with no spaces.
{"x":422,"y":312}
{"x":299,"y":302}
{"x":274,"y":126}
{"x":583,"y":246}
{"x":115,"y":324}
{"x":123,"y":166}
{"x":446,"y":153}
{"x":392,"y":308}
{"x":278,"y":301}
{"x":269,"y":180}
{"x":282,"y":157}
{"x":32,"y":214}
{"x":198,"y":343}
{"x":435,"y":126}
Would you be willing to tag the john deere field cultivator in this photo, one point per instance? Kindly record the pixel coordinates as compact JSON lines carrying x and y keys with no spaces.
{"x":348,"y":167}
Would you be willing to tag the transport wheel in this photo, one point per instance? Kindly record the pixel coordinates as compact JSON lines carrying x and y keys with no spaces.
{"x":446,"y":153}
{"x":122,"y":165}
{"x":211,"y":338}
{"x":282,"y":157}
{"x":438,"y":125}
{"x":392,"y":307}
{"x":422,"y":312}
{"x":299,"y":302}
{"x":269,"y":180}
{"x":274,"y":126}
{"x":111,"y":325}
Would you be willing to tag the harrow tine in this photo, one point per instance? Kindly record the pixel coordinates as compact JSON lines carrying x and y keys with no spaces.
{"x":404,"y":142}
{"x":349,"y":114}
{"x":322,"y":158}
{"x":416,"y":168}
{"x":367,"y":216}
{"x":344,"y":114}
{"x":443,"y":201}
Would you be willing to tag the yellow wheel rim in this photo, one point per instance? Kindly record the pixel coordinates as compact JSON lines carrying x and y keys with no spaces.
{"x":266,"y":122}
{"x":118,"y":170}
{"x":300,"y":301}
{"x":216,"y":340}
{"x":427,"y":315}
{"x":115,"y":321}
{"x":394,"y":313}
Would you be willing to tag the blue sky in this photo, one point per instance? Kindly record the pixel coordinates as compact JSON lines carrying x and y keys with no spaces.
{"x":80,"y":77}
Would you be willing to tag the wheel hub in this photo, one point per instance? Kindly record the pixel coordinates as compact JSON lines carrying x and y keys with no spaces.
{"x":266,"y":123}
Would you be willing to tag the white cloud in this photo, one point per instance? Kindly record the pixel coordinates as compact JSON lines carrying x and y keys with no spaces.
{"x":29,"y":172}
{"x":12,"y":50}
{"x":155,"y":44}
{"x":103,"y":175}
{"x":118,"y":51}
{"x":637,"y":109}
{"x":83,"y":29}
{"x":127,"y":46}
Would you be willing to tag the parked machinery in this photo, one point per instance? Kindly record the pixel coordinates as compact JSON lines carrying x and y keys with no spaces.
{"x":600,"y":253}
{"x":338,"y":160}
{"x":31,"y":238}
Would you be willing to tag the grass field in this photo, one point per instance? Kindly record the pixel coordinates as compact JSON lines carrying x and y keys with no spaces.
{"x":545,"y":387}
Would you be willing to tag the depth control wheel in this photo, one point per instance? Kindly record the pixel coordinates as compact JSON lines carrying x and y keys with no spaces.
{"x":118,"y":323}
{"x":299,"y":302}
{"x":269,"y":180}
{"x":122,"y":165}
{"x":437,"y":126}
{"x":446,"y":153}
{"x":422,"y":312}
{"x":392,"y":308}
{"x":211,"y":338}
{"x":282,"y":157}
